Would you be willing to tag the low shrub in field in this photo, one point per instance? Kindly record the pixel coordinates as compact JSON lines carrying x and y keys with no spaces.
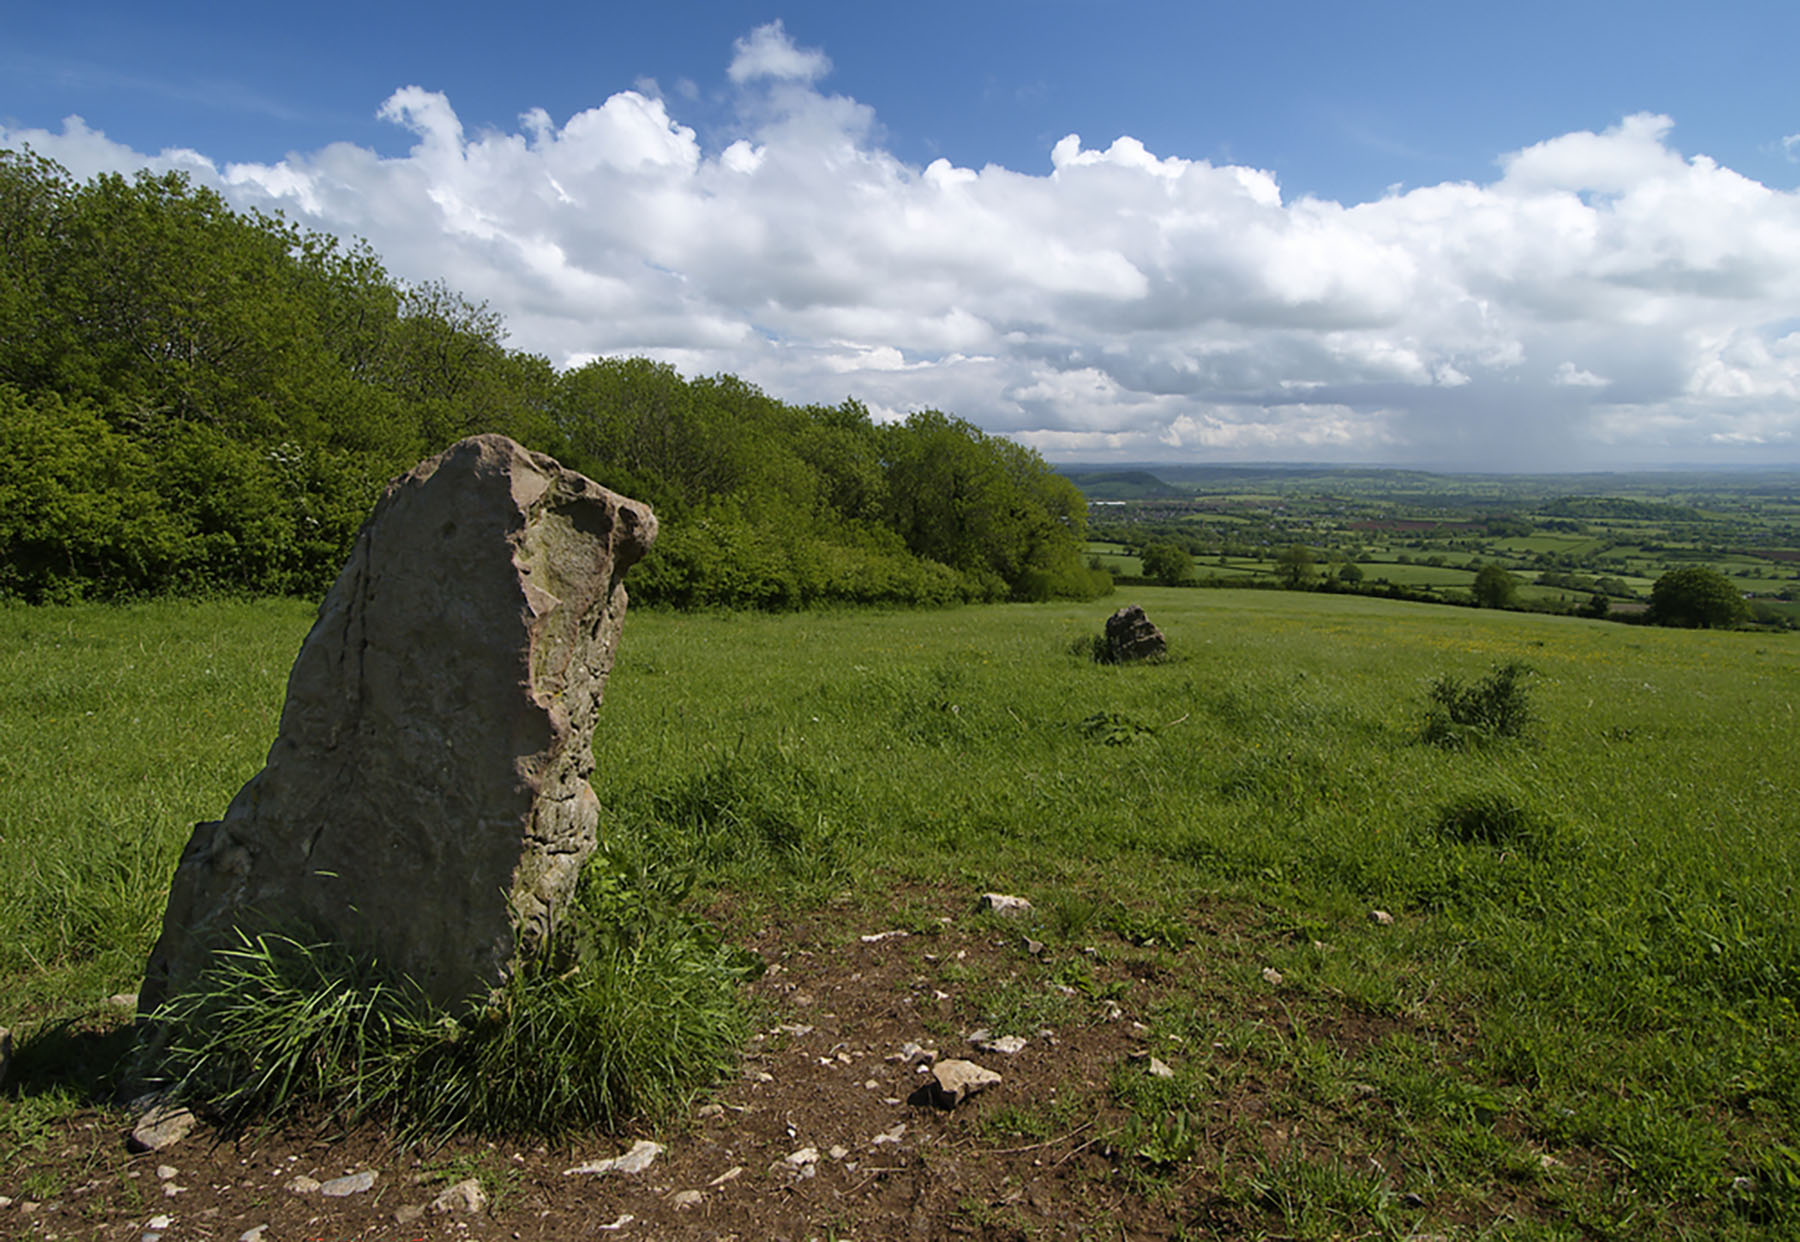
{"x":634,"y":1009}
{"x":1497,"y":706}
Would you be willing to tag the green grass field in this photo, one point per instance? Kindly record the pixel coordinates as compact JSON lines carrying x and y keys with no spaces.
{"x":1595,"y":929}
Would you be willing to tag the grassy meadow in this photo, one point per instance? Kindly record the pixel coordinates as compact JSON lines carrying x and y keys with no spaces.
{"x":1594,"y":952}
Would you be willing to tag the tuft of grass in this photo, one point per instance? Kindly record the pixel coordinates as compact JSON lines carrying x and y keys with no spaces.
{"x":1496,"y":819}
{"x":620,"y":1020}
{"x":750,"y":812}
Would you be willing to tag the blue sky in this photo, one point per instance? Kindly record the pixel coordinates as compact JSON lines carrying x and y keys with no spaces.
{"x":1530,"y":236}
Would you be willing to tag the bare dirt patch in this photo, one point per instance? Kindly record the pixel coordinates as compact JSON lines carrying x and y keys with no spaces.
{"x":826,"y":1132}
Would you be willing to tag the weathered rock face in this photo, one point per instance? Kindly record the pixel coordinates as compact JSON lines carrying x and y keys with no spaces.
{"x":427,"y":800}
{"x":1130,"y":636}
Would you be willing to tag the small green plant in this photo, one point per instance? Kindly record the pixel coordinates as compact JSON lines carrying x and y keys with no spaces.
{"x":1071,"y":914}
{"x":1163,"y":1141}
{"x":1497,"y":706}
{"x":1116,"y":729}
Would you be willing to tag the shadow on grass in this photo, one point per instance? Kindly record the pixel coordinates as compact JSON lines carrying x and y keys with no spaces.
{"x":84,"y":1059}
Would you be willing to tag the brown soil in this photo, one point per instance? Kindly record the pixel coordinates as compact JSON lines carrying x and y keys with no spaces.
{"x":1038,"y":1156}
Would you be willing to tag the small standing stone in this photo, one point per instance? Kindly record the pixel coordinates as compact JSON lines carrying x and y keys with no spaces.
{"x":426,"y":800}
{"x":1130,"y":636}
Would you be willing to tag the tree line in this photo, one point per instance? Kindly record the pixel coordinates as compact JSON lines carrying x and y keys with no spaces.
{"x":195,"y":399}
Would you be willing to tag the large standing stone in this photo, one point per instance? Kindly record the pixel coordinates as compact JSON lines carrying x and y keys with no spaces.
{"x":1130,"y":636}
{"x":426,"y":800}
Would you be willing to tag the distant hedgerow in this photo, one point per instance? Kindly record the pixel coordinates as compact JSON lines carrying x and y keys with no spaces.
{"x":1464,"y":715}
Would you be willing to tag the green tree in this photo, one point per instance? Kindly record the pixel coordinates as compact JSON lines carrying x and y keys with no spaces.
{"x":989,"y":508}
{"x":1295,"y":566}
{"x":1167,"y":562}
{"x":1696,"y":597}
{"x":1494,"y":588}
{"x":1350,"y":573}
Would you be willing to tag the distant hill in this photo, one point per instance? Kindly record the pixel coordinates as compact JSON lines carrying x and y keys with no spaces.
{"x":1424,"y":488}
{"x":1121,"y":485}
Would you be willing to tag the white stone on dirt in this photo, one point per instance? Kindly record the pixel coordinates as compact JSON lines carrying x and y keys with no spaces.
{"x":426,"y":800}
{"x":639,"y":1158}
{"x":1006,"y":1045}
{"x":304,"y":1185}
{"x":166,"y":1172}
{"x":1005,"y":906}
{"x":1271,"y":975}
{"x":954,"y":1081}
{"x":685,"y":1199}
{"x":465,"y":1196}
{"x":349,"y":1184}
{"x":253,"y":1234}
{"x":163,"y":1126}
{"x":911,"y":1052}
{"x":806,"y":1155}
{"x":1158,"y":1069}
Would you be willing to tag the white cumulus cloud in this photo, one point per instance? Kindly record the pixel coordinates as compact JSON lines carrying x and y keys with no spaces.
{"x":768,"y":52}
{"x":1604,"y":298}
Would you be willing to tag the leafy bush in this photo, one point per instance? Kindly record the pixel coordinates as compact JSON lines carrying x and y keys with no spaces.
{"x":1497,"y":706}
